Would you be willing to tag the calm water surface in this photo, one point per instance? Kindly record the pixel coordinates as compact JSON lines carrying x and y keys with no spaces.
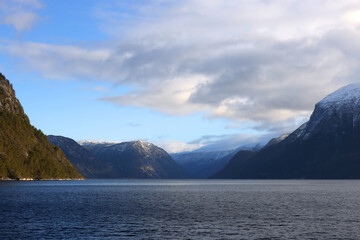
{"x":176,"y":209}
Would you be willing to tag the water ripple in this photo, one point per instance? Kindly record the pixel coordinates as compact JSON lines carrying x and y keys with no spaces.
{"x":149,"y":209}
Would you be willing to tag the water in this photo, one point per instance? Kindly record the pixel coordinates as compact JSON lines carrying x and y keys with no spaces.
{"x":173,"y":209}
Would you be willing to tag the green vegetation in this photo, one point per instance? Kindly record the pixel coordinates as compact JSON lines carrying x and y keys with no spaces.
{"x":24,"y":150}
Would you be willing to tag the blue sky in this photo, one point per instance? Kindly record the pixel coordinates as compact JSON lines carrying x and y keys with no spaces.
{"x":180,"y":74}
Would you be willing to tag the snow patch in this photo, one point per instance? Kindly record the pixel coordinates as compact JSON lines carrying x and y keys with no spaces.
{"x":349,"y":93}
{"x":95,"y":142}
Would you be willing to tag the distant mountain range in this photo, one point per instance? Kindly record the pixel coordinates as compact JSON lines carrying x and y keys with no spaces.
{"x":325,"y":147}
{"x":25,"y":152}
{"x":137,"y":159}
{"x":203,"y":164}
{"x":83,"y":160}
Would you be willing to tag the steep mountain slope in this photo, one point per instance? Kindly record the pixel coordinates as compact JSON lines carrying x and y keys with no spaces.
{"x":137,"y":159}
{"x":95,"y":147}
{"x":231,"y":170}
{"x":25,"y":151}
{"x":327,"y":146}
{"x":274,"y":141}
{"x":203,"y":164}
{"x":85,"y":162}
{"x":240,"y":157}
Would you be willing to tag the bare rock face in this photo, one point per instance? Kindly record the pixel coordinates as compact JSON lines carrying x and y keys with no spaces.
{"x":8,"y":100}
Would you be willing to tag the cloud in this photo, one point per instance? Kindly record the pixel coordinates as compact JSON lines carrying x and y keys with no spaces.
{"x":19,"y":13}
{"x":233,"y":141}
{"x":175,"y":146}
{"x":353,"y":16}
{"x":258,"y":63}
{"x":218,"y":142}
{"x":96,"y":89}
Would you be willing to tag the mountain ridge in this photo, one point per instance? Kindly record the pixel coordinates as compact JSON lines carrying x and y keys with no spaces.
{"x":85,"y":162}
{"x":327,"y":146}
{"x":203,"y":164}
{"x":137,"y":159}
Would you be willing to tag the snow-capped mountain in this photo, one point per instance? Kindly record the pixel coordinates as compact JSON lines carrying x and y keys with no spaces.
{"x":203,"y":164}
{"x":137,"y":159}
{"x":97,"y":142}
{"x":327,"y":146}
{"x":339,"y":110}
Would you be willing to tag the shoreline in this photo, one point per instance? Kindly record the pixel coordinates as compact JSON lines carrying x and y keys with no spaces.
{"x":44,"y":179}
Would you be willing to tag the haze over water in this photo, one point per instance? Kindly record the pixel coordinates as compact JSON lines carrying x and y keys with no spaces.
{"x":180,"y":209}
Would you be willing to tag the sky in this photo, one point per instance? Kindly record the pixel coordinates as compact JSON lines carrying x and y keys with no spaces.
{"x":215,"y":74}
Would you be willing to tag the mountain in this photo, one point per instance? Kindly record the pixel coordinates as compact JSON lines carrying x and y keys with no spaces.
{"x":326,"y":147}
{"x":95,"y":147}
{"x":84,"y":161}
{"x":203,"y":164}
{"x":240,"y":156}
{"x":276,"y":140}
{"x":25,"y":152}
{"x":137,"y":159}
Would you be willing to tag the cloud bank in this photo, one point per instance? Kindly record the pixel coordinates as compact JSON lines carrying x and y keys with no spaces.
{"x":261,"y":63}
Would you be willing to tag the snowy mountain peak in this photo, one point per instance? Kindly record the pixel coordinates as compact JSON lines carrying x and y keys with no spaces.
{"x":338,"y":109}
{"x":142,"y":144}
{"x":349,"y":93}
{"x":97,"y":142}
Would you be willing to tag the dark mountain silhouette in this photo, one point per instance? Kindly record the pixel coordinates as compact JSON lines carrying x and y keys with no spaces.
{"x":84,"y":161}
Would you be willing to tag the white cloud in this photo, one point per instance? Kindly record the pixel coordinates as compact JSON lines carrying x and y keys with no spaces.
{"x":175,"y":146}
{"x":353,"y":16}
{"x":19,"y":13}
{"x":233,"y":141}
{"x":170,"y":96}
{"x":264,"y":63}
